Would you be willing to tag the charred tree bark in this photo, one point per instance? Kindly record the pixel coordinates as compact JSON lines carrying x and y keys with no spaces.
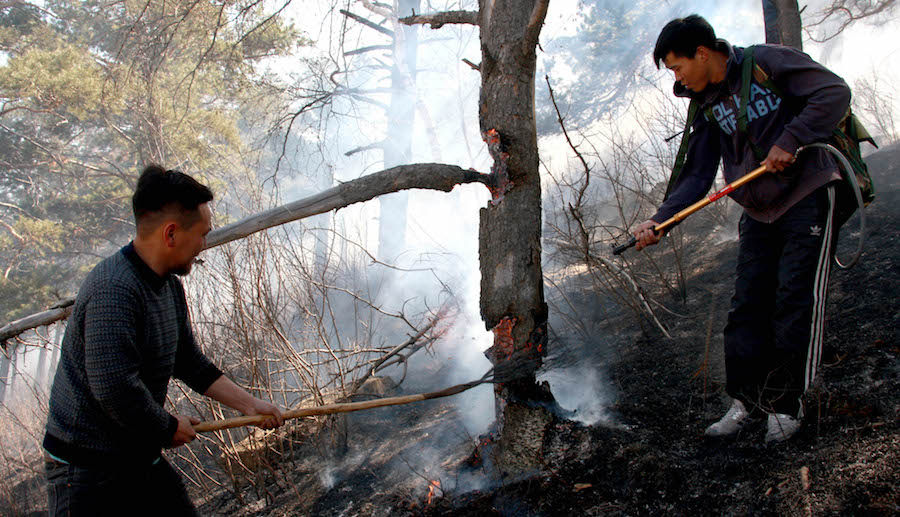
{"x":783,"y":26}
{"x":512,"y":293}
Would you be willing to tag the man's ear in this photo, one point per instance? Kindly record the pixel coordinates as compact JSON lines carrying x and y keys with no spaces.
{"x":702,"y":54}
{"x":169,"y":234}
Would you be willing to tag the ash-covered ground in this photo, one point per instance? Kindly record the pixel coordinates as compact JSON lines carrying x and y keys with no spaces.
{"x":649,"y":456}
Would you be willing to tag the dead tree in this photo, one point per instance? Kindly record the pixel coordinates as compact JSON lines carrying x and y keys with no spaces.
{"x":397,"y":144}
{"x":7,"y":371}
{"x":512,"y":292}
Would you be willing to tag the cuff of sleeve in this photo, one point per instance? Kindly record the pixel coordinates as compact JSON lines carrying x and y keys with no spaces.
{"x":204,"y":378}
{"x":662,"y":215}
{"x":170,"y":431}
{"x":787,"y":142}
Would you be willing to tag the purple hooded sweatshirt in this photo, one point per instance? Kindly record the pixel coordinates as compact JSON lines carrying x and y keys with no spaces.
{"x":815,"y":101}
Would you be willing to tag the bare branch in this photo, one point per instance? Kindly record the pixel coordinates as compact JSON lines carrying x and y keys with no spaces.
{"x":534,"y":25}
{"x":367,"y":23}
{"x":438,"y":20}
{"x":846,"y":12}
{"x":379,"y":9}
{"x":399,"y":348}
{"x":376,"y":145}
{"x":432,"y":176}
{"x":35,"y":320}
{"x":559,"y":118}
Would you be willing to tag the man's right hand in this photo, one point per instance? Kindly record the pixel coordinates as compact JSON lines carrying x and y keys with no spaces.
{"x":185,"y":432}
{"x":645,"y":235}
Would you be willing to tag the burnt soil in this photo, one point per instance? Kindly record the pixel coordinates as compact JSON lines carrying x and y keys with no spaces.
{"x":650,"y":457}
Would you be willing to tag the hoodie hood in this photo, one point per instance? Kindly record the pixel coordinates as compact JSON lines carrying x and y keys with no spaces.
{"x":713,"y":90}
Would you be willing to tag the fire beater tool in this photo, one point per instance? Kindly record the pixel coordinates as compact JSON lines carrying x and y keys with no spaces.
{"x":680,"y":216}
{"x":330,"y":409}
{"x":512,"y":369}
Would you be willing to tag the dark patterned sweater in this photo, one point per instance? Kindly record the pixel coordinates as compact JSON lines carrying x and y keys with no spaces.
{"x":128,"y":334}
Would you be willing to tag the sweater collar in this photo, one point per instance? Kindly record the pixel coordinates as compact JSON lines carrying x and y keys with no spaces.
{"x":146,"y":273}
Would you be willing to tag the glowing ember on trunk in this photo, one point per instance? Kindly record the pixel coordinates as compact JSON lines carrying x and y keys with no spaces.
{"x":503,"y":339}
{"x":500,"y":183}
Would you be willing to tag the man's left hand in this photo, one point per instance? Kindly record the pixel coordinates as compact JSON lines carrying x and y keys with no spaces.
{"x":236,"y":397}
{"x":778,"y":159}
{"x":261,"y":407}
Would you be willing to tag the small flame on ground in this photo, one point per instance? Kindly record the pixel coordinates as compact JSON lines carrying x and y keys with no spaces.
{"x":431,"y":487}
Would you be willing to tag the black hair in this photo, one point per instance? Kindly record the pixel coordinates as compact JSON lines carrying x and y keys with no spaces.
{"x":160,"y":192}
{"x":682,"y":36}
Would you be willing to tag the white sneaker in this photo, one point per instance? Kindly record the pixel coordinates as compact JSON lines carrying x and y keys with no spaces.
{"x":781,"y":427}
{"x":736,"y":418}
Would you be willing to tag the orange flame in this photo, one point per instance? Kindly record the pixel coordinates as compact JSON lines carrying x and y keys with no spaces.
{"x":503,"y":339}
{"x":431,"y":487}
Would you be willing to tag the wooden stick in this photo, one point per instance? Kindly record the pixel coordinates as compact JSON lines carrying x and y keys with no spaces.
{"x":330,"y":409}
{"x":680,"y":216}
{"x":740,"y":182}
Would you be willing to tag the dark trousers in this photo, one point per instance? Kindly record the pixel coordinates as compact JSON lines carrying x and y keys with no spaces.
{"x":146,"y":490}
{"x":773,"y":338}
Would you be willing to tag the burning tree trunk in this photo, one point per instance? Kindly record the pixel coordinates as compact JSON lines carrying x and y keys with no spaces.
{"x":512,"y":293}
{"x":509,"y":240}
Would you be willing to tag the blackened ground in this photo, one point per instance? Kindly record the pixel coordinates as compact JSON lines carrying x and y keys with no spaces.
{"x":651,"y":458}
{"x":667,"y":393}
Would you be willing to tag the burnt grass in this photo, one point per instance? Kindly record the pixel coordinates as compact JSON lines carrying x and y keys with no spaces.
{"x":650,"y":457}
{"x":660,"y":463}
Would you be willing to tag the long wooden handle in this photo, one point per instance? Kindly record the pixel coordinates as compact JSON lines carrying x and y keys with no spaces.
{"x":727,"y":189}
{"x":680,"y":216}
{"x":329,"y":409}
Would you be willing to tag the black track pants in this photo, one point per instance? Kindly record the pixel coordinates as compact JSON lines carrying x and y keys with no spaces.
{"x":773,"y":338}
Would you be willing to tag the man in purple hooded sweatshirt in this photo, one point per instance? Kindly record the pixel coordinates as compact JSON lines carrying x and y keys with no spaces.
{"x":773,"y":338}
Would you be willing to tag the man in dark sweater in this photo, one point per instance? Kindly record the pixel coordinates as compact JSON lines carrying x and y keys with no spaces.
{"x":128,"y":334}
{"x":773,"y":338}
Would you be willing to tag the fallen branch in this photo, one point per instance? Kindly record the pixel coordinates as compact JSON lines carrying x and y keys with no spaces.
{"x":33,"y":321}
{"x":432,"y":176}
{"x":804,"y":483}
{"x":330,"y":409}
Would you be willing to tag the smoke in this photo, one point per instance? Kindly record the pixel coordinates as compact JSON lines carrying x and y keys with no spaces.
{"x":584,"y":390}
